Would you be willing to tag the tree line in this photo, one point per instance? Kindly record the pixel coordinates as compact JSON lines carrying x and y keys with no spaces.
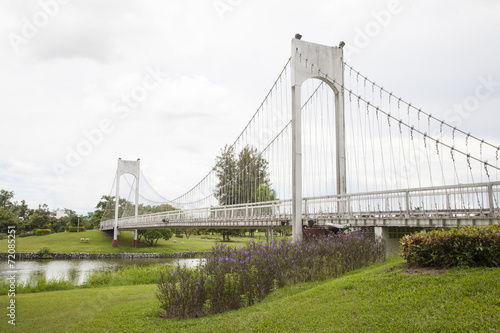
{"x":242,"y":178}
{"x":13,"y":213}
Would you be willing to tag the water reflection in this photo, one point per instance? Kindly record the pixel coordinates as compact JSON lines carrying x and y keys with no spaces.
{"x":78,"y":270}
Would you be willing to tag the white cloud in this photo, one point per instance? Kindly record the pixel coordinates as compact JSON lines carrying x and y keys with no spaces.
{"x":70,"y":74}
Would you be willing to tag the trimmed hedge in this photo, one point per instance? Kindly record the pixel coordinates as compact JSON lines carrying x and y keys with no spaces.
{"x":463,"y":247}
{"x":42,"y":232}
{"x":73,"y":229}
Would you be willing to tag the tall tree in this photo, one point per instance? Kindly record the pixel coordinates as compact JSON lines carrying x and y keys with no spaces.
{"x":21,"y":210}
{"x":105,"y":209}
{"x":40,"y":218}
{"x":6,"y":220}
{"x":225,"y":169}
{"x":6,"y":217}
{"x":148,"y":209}
{"x":264,"y":193}
{"x":5,"y":197}
{"x":240,"y":178}
{"x":151,"y":236}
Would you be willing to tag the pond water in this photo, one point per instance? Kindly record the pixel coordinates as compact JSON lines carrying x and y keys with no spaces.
{"x":78,"y":270}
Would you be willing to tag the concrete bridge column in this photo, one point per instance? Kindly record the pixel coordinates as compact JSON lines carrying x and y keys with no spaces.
{"x":381,"y":233}
{"x":116,"y":233}
{"x":392,"y":244}
{"x":135,"y":241}
{"x":269,"y":233}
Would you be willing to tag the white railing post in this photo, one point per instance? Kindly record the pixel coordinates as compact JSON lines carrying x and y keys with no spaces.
{"x":407,"y":197}
{"x":490,"y":198}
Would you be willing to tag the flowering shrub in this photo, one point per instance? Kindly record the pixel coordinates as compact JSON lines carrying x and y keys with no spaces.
{"x":231,"y":278}
{"x":465,"y":247}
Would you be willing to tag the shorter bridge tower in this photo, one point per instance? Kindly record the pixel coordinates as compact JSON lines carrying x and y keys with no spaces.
{"x":133,"y":168}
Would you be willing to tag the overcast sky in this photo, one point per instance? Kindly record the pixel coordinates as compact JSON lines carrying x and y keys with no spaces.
{"x":198,"y":70}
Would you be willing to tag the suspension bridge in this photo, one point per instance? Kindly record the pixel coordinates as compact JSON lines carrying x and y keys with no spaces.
{"x":328,"y":145}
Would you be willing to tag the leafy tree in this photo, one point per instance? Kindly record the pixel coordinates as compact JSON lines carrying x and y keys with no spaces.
{"x":72,"y":217}
{"x":105,"y":209}
{"x":151,"y":236}
{"x":264,"y":193}
{"x":21,"y":210}
{"x":6,"y":220}
{"x":26,"y":219}
{"x":70,"y":220}
{"x":189,"y":231}
{"x":154,"y":209}
{"x":228,"y":232}
{"x":5,"y":197}
{"x":40,"y":218}
{"x":37,"y":221}
{"x":240,"y":178}
{"x":87,"y":222}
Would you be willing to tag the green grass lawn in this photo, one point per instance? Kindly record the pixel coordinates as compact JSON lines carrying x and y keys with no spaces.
{"x":101,"y":242}
{"x":381,"y":298}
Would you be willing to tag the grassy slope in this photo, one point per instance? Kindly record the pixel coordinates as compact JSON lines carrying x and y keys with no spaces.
{"x":381,"y":298}
{"x":100,"y":242}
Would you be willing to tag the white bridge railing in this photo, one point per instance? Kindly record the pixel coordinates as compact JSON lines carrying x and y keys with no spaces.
{"x":455,"y":202}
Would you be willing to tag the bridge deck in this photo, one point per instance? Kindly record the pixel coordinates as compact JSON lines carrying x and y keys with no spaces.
{"x":445,"y":206}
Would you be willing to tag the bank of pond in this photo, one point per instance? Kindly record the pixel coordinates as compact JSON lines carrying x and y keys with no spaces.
{"x":226,"y":279}
{"x":57,"y":274}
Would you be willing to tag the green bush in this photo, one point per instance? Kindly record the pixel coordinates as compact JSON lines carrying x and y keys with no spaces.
{"x":462,"y":247}
{"x":44,"y":253}
{"x":42,"y":232}
{"x":74,"y":229}
{"x":151,"y":236}
{"x":179,"y":235}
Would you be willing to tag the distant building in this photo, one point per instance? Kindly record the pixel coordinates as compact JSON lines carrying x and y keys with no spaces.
{"x":58,"y":213}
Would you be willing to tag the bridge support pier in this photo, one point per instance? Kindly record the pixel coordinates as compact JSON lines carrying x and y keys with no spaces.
{"x":135,"y":241}
{"x":269,"y":233}
{"x":392,"y":244}
{"x":116,"y":232}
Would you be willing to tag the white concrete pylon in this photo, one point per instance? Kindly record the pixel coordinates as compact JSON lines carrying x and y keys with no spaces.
{"x":315,"y":61}
{"x":126,"y":167}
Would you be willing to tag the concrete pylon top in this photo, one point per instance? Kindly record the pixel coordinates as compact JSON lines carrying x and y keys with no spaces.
{"x":311,"y":60}
{"x":129,"y":167}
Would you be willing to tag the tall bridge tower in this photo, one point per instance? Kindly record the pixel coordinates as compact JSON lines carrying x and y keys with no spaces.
{"x":315,"y":61}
